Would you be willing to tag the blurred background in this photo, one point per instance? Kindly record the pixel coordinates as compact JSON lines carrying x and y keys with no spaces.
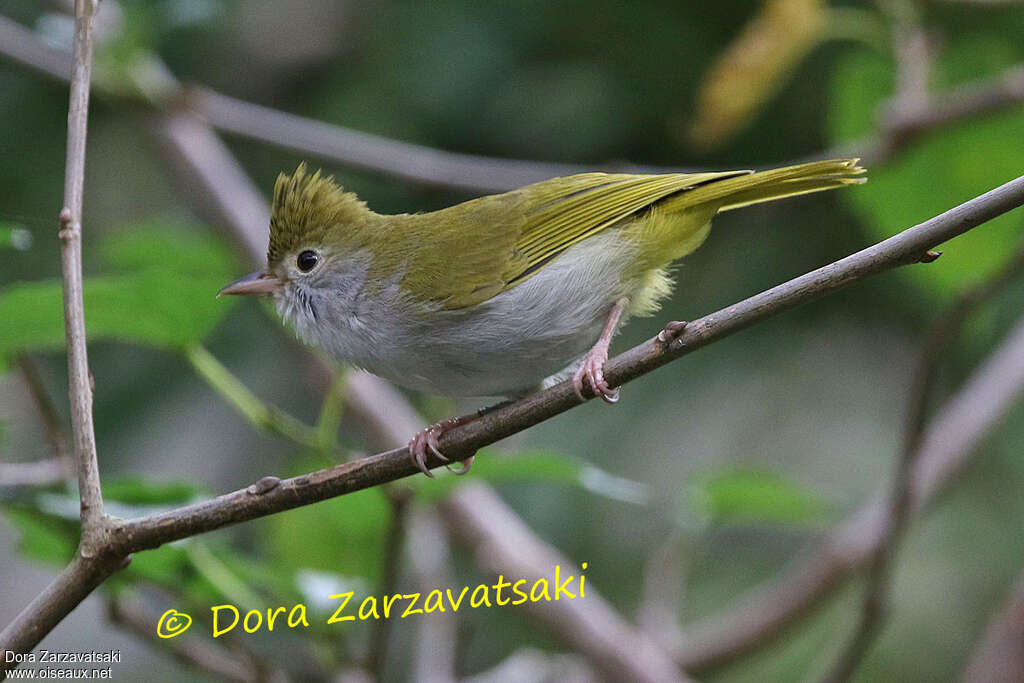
{"x":711,"y":476}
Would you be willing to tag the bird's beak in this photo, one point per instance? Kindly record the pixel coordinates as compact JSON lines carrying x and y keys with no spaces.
{"x":256,"y":283}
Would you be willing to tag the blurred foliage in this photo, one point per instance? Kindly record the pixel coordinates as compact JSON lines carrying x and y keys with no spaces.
{"x":956,"y":163}
{"x":160,"y":293}
{"x":13,"y":236}
{"x":753,"y":67}
{"x":745,"y":496}
{"x":765,"y":434}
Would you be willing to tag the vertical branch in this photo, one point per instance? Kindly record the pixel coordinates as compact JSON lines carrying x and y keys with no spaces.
{"x":79,"y":379}
{"x":378,"y":655}
{"x":943,"y":333}
{"x":433,"y":657}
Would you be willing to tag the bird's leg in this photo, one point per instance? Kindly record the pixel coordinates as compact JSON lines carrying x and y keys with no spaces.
{"x":427,"y":440}
{"x":591,"y":371}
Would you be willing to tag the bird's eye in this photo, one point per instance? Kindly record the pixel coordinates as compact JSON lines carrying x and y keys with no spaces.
{"x":307,"y":260}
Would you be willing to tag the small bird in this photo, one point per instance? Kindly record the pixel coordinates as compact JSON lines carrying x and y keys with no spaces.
{"x":500,"y":295}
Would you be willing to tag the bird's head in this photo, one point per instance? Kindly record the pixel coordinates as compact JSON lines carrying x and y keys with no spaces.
{"x":315,"y":228}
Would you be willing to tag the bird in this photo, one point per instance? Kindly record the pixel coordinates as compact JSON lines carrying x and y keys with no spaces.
{"x":500,"y":295}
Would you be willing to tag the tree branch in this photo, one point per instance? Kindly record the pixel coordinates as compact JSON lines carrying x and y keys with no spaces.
{"x":504,"y":545}
{"x":900,"y":125}
{"x":79,"y":378}
{"x":433,"y":658}
{"x":461,"y":442}
{"x":946,"y":449}
{"x":939,"y":338}
{"x":75,"y":582}
{"x":430,"y":166}
{"x":270,"y":495}
{"x":999,"y":657}
{"x":59,"y":466}
{"x":192,"y":650}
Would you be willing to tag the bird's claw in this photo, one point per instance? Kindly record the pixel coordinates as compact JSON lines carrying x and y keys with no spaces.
{"x":671,"y":332}
{"x":427,"y":440}
{"x":591,"y":375}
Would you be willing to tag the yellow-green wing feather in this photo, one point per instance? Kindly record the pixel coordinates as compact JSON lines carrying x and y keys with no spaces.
{"x":516,"y":234}
{"x":591,"y":203}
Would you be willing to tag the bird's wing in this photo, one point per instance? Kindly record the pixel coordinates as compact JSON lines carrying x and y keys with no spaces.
{"x":517,"y":233}
{"x":564,"y":213}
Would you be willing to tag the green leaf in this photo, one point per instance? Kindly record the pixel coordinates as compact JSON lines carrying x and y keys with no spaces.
{"x":938,"y":171}
{"x":43,"y":537}
{"x":344,"y":535}
{"x":138,"y":491}
{"x":180,"y":248}
{"x":746,"y":496}
{"x":167,"y":566}
{"x":495,"y":467}
{"x":14,"y":236}
{"x":164,"y":295}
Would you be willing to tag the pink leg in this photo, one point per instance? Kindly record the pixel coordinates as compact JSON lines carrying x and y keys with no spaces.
{"x":590,"y":374}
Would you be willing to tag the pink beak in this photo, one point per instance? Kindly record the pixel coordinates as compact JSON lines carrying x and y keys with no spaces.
{"x":256,"y":283}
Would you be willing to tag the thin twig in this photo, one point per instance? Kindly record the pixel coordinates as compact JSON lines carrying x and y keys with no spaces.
{"x":663,"y":595}
{"x":192,"y":650}
{"x":271,"y":495}
{"x":946,"y":448}
{"x":53,"y":425}
{"x":79,"y":378}
{"x":260,"y":415}
{"x":35,"y":473}
{"x":92,"y":563}
{"x":49,"y":470}
{"x":503,"y":544}
{"x":430,"y":166}
{"x":461,"y":442}
{"x":391,"y":572}
{"x":999,"y":658}
{"x":943,"y":333}
{"x":433,"y":659}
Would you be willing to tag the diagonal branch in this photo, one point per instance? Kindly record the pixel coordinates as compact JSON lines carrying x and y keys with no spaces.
{"x":903,"y":248}
{"x":999,"y":656}
{"x":943,"y":334}
{"x":430,"y":166}
{"x":589,"y":625}
{"x":946,"y":448}
{"x":271,"y":495}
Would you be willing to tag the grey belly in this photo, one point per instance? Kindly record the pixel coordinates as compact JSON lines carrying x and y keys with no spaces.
{"x":509,"y":345}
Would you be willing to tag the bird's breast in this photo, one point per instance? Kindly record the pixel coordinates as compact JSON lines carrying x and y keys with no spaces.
{"x":504,"y":346}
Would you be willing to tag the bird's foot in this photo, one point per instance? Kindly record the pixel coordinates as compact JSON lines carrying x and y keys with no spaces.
{"x":427,"y":441}
{"x":671,"y":332}
{"x":590,"y":375}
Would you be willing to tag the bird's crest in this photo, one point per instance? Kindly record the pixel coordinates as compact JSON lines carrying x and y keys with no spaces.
{"x":309,"y":210}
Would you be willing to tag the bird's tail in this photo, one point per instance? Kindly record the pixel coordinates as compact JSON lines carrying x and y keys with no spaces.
{"x":736,"y":191}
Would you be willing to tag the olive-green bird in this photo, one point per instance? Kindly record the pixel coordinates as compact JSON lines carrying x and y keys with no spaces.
{"x":502,"y":294}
